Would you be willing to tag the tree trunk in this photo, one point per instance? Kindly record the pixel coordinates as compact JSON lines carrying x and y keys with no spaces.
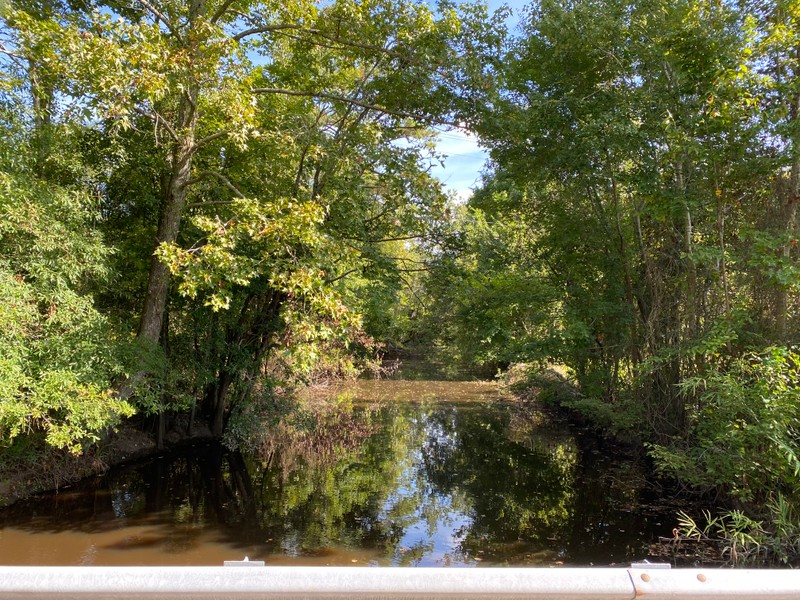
{"x":792,"y":199}
{"x":630,"y":296}
{"x":169,"y":223}
{"x":41,"y":95}
{"x":173,"y":201}
{"x":221,"y":397}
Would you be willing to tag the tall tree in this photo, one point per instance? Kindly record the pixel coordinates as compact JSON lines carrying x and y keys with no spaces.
{"x":289,"y":136}
{"x":629,"y":127}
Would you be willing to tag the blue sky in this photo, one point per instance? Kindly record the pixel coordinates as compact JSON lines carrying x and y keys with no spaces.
{"x":465,"y":158}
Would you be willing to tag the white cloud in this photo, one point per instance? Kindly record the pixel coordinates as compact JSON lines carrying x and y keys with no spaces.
{"x":463,"y":161}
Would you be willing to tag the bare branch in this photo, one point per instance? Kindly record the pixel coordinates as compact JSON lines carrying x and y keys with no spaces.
{"x":265,"y":29}
{"x":367,"y":105}
{"x":221,"y":177}
{"x":343,"y":275}
{"x":338,"y":43}
{"x":380,"y":214}
{"x":351,"y":44}
{"x":419,"y":270}
{"x":158,"y":119}
{"x":392,"y":239}
{"x":314,"y":32}
{"x":17,"y":58}
{"x":160,"y":17}
{"x":412,"y":290}
{"x":209,"y":138}
{"x":405,"y":259}
{"x":221,"y":10}
{"x":208,"y":202}
{"x":321,"y":95}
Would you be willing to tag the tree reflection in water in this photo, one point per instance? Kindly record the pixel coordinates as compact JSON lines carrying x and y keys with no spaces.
{"x":453,"y":476}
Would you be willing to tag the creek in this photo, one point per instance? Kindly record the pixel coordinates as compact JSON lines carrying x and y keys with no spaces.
{"x":390,"y":473}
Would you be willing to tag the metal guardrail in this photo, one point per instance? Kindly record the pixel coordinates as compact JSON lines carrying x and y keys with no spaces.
{"x":173,"y":583}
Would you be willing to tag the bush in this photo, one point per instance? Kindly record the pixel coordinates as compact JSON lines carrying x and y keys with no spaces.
{"x":743,"y":430}
{"x":58,"y":354}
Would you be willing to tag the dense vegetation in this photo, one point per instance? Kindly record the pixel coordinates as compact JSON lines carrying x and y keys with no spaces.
{"x":201,"y":199}
{"x":639,"y":230}
{"x":205,"y":201}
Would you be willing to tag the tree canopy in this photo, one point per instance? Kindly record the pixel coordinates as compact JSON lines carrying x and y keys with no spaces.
{"x":205,"y":201}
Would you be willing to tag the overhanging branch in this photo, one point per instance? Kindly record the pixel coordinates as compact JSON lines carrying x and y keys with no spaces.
{"x":221,"y":10}
{"x":314,"y":32}
{"x":353,"y":101}
{"x":265,"y":29}
{"x":160,"y":17}
{"x":222,"y":178}
{"x":209,"y":138}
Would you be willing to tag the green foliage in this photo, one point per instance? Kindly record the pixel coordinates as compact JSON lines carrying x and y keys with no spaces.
{"x":741,"y":539}
{"x":249,"y":244}
{"x":58,"y":353}
{"x":744,"y":541}
{"x":635,"y":227}
{"x":277,"y":166}
{"x":620,"y":420}
{"x":639,"y":225}
{"x":743,"y":430}
{"x":491,"y":304}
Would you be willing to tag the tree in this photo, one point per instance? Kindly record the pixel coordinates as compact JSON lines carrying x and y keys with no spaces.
{"x":621,"y":123}
{"x":59,"y":353}
{"x":776,"y":43}
{"x":272,"y":152}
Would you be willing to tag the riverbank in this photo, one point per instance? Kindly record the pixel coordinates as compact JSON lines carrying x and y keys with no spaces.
{"x":550,"y":388}
{"x":714,"y":523}
{"x":34,"y":470}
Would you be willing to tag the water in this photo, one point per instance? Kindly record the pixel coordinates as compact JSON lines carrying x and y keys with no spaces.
{"x":397,"y":473}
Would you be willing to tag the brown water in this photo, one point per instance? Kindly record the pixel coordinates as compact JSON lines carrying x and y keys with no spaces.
{"x":398,"y":473}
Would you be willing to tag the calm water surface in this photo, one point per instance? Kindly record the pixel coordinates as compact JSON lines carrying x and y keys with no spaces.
{"x":398,"y":473}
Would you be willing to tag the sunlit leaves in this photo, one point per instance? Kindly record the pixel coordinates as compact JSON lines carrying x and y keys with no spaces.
{"x":256,"y":240}
{"x":58,"y":355}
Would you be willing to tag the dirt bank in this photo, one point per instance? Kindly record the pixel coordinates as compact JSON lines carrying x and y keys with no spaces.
{"x":38,"y":470}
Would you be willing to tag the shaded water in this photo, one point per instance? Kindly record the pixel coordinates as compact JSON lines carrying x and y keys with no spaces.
{"x":398,"y":473}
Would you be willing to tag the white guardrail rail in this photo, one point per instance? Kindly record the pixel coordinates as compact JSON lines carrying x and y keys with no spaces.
{"x":641,"y":580}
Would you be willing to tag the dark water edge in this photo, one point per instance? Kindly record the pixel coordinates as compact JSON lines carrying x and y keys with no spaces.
{"x":392,"y":473}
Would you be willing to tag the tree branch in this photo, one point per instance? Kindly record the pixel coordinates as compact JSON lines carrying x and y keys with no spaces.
{"x":335,"y":98}
{"x":419,"y":270}
{"x":221,"y":177}
{"x":160,"y":17}
{"x":413,"y":291}
{"x":338,"y":43}
{"x":221,"y":10}
{"x":313,"y":31}
{"x":380,"y":214}
{"x":157,"y":118}
{"x":265,"y":29}
{"x":17,"y":58}
{"x":392,"y":239}
{"x":342,"y":276}
{"x":320,"y":95}
{"x":207,"y":202}
{"x":209,"y":138}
